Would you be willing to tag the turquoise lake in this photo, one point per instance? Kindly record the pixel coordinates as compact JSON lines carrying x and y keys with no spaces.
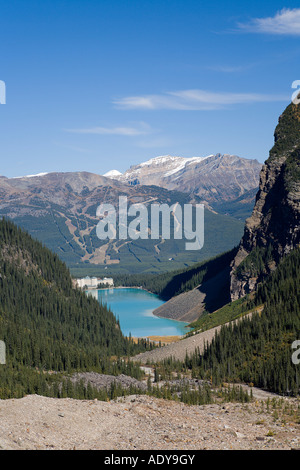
{"x":134,"y":307}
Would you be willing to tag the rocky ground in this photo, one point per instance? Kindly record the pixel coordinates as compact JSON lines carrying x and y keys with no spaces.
{"x":101,"y":381}
{"x":139,"y":422}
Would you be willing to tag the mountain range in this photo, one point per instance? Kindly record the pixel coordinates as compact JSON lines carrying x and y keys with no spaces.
{"x":59,"y":209}
{"x":214,"y":178}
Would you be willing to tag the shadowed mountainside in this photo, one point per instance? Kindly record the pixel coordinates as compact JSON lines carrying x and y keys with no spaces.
{"x":273,"y":230}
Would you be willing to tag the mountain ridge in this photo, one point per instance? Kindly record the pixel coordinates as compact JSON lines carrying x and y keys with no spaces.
{"x":60,"y":209}
{"x":214,"y":178}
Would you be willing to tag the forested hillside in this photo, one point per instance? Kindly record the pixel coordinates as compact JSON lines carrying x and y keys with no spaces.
{"x":46,"y":324}
{"x":258,"y":349}
{"x":170,"y":284}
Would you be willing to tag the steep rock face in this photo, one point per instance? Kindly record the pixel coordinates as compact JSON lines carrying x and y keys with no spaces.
{"x":273,"y":230}
{"x":189,"y":306}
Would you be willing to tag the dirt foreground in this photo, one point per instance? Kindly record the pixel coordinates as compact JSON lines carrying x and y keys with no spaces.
{"x":140,"y":422}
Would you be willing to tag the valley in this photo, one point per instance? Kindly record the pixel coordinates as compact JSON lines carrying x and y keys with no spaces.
{"x":149,"y":228}
{"x":69,"y":345}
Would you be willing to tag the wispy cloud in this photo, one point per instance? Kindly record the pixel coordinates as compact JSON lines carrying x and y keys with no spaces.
{"x":230,"y":68}
{"x":193,"y":100}
{"x":285,"y":22}
{"x":141,"y":129}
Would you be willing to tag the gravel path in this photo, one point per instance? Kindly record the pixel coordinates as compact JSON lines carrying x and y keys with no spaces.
{"x":139,"y":423}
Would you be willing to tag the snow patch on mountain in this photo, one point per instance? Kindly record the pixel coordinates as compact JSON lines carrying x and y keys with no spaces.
{"x":161,"y":160}
{"x":30,"y":176}
{"x":212,"y":177}
{"x":169,"y":165}
{"x":112,"y":174}
{"x":185,"y":162}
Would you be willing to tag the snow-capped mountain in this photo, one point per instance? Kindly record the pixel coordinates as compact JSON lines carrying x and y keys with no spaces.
{"x":112,"y":174}
{"x":215,"y":178}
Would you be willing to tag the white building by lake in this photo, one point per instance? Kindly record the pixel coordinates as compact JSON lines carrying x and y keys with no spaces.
{"x":94,"y":282}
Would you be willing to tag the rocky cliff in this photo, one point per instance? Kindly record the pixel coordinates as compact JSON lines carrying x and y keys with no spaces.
{"x":273,"y":228}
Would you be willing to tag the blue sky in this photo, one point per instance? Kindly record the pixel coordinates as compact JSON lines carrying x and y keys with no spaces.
{"x":99,"y":85}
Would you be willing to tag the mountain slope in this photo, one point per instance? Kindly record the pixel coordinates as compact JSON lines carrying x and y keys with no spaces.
{"x":273,"y":229}
{"x":45,"y":323}
{"x":258,"y":350}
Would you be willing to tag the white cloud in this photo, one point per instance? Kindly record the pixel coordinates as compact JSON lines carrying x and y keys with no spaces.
{"x":285,"y":22}
{"x":147,"y":102}
{"x":141,"y":129}
{"x":193,"y":100}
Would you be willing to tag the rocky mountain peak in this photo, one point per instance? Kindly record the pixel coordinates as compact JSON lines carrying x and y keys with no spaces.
{"x":273,"y":229}
{"x":214,"y":178}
